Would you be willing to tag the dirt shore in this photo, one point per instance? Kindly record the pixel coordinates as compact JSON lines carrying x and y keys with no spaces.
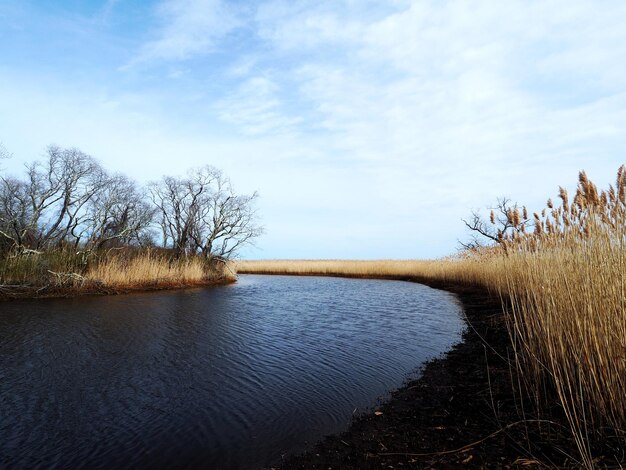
{"x":52,"y":292}
{"x":463,"y":412}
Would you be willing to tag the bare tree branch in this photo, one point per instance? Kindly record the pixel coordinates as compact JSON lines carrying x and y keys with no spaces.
{"x":201,"y":213}
{"x":506,"y":218}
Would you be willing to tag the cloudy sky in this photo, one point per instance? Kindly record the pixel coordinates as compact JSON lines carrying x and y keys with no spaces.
{"x":369,"y":128}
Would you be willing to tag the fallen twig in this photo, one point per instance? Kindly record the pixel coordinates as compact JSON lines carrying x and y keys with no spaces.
{"x":468,"y":446}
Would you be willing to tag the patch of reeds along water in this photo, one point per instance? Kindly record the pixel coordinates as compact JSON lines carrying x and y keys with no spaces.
{"x":123,"y":269}
{"x":564,"y":276}
{"x":150,"y":269}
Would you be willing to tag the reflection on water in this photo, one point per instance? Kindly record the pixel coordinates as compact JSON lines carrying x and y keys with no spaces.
{"x":228,"y":377}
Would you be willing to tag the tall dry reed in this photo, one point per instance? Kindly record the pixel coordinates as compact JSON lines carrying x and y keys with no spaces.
{"x":124,"y":269}
{"x":147,"y":270}
{"x":566,"y":283}
{"x":36,"y":269}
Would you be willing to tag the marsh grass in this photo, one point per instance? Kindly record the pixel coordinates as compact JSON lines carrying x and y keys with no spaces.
{"x":126,"y":269}
{"x":375,"y":268}
{"x":564,"y":281}
{"x":36,"y":269}
{"x":149,"y":269}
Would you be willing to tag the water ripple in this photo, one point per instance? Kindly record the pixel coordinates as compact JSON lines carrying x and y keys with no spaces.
{"x":228,"y":377}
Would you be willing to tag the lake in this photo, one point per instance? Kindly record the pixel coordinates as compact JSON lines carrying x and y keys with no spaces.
{"x":226,"y":377}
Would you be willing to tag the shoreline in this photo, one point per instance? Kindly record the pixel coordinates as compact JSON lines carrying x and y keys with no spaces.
{"x":9,"y":293}
{"x":444,"y":409}
{"x":462,"y":411}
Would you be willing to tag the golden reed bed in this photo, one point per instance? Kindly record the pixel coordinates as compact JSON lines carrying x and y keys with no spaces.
{"x":65,"y":272}
{"x":374,"y":268}
{"x":146,"y":270}
{"x":564,"y":276}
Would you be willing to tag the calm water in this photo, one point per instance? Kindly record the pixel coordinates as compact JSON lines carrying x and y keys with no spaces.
{"x":227,"y":377}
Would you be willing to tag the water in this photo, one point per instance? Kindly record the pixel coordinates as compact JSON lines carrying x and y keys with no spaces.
{"x":226,"y":377}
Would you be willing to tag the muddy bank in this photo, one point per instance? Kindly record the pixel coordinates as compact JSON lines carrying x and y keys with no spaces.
{"x":50,"y":292}
{"x":464,"y":411}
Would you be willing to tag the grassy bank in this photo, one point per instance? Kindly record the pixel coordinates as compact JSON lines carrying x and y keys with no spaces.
{"x":563,"y":279}
{"x":66,"y":273}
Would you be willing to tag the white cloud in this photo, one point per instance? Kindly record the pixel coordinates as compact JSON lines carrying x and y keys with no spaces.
{"x":462,"y":88}
{"x":107,"y":10}
{"x":189,"y":28}
{"x":301,"y":26}
{"x":254,"y":107}
{"x":242,"y":67}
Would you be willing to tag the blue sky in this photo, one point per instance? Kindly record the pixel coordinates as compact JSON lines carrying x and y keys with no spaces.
{"x":369,"y":128}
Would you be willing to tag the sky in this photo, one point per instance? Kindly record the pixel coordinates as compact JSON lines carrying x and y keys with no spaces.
{"x":369,"y":128}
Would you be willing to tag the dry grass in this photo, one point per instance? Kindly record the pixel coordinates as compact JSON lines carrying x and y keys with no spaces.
{"x":565,"y":280}
{"x":461,"y":270}
{"x":375,"y":268}
{"x":35,"y":269}
{"x":148,"y":270}
{"x":35,"y":273}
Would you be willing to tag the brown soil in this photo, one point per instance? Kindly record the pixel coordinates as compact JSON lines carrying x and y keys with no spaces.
{"x":51,"y":291}
{"x":464,"y":411}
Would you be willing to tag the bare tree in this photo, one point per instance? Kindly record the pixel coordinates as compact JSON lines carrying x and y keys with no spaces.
{"x":228,"y":220}
{"x":505,"y":219}
{"x":15,"y":212}
{"x":178,"y":204}
{"x":68,"y":199}
{"x":48,"y":206}
{"x":59,"y":188}
{"x":201,"y":213}
{"x":117,"y":214}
